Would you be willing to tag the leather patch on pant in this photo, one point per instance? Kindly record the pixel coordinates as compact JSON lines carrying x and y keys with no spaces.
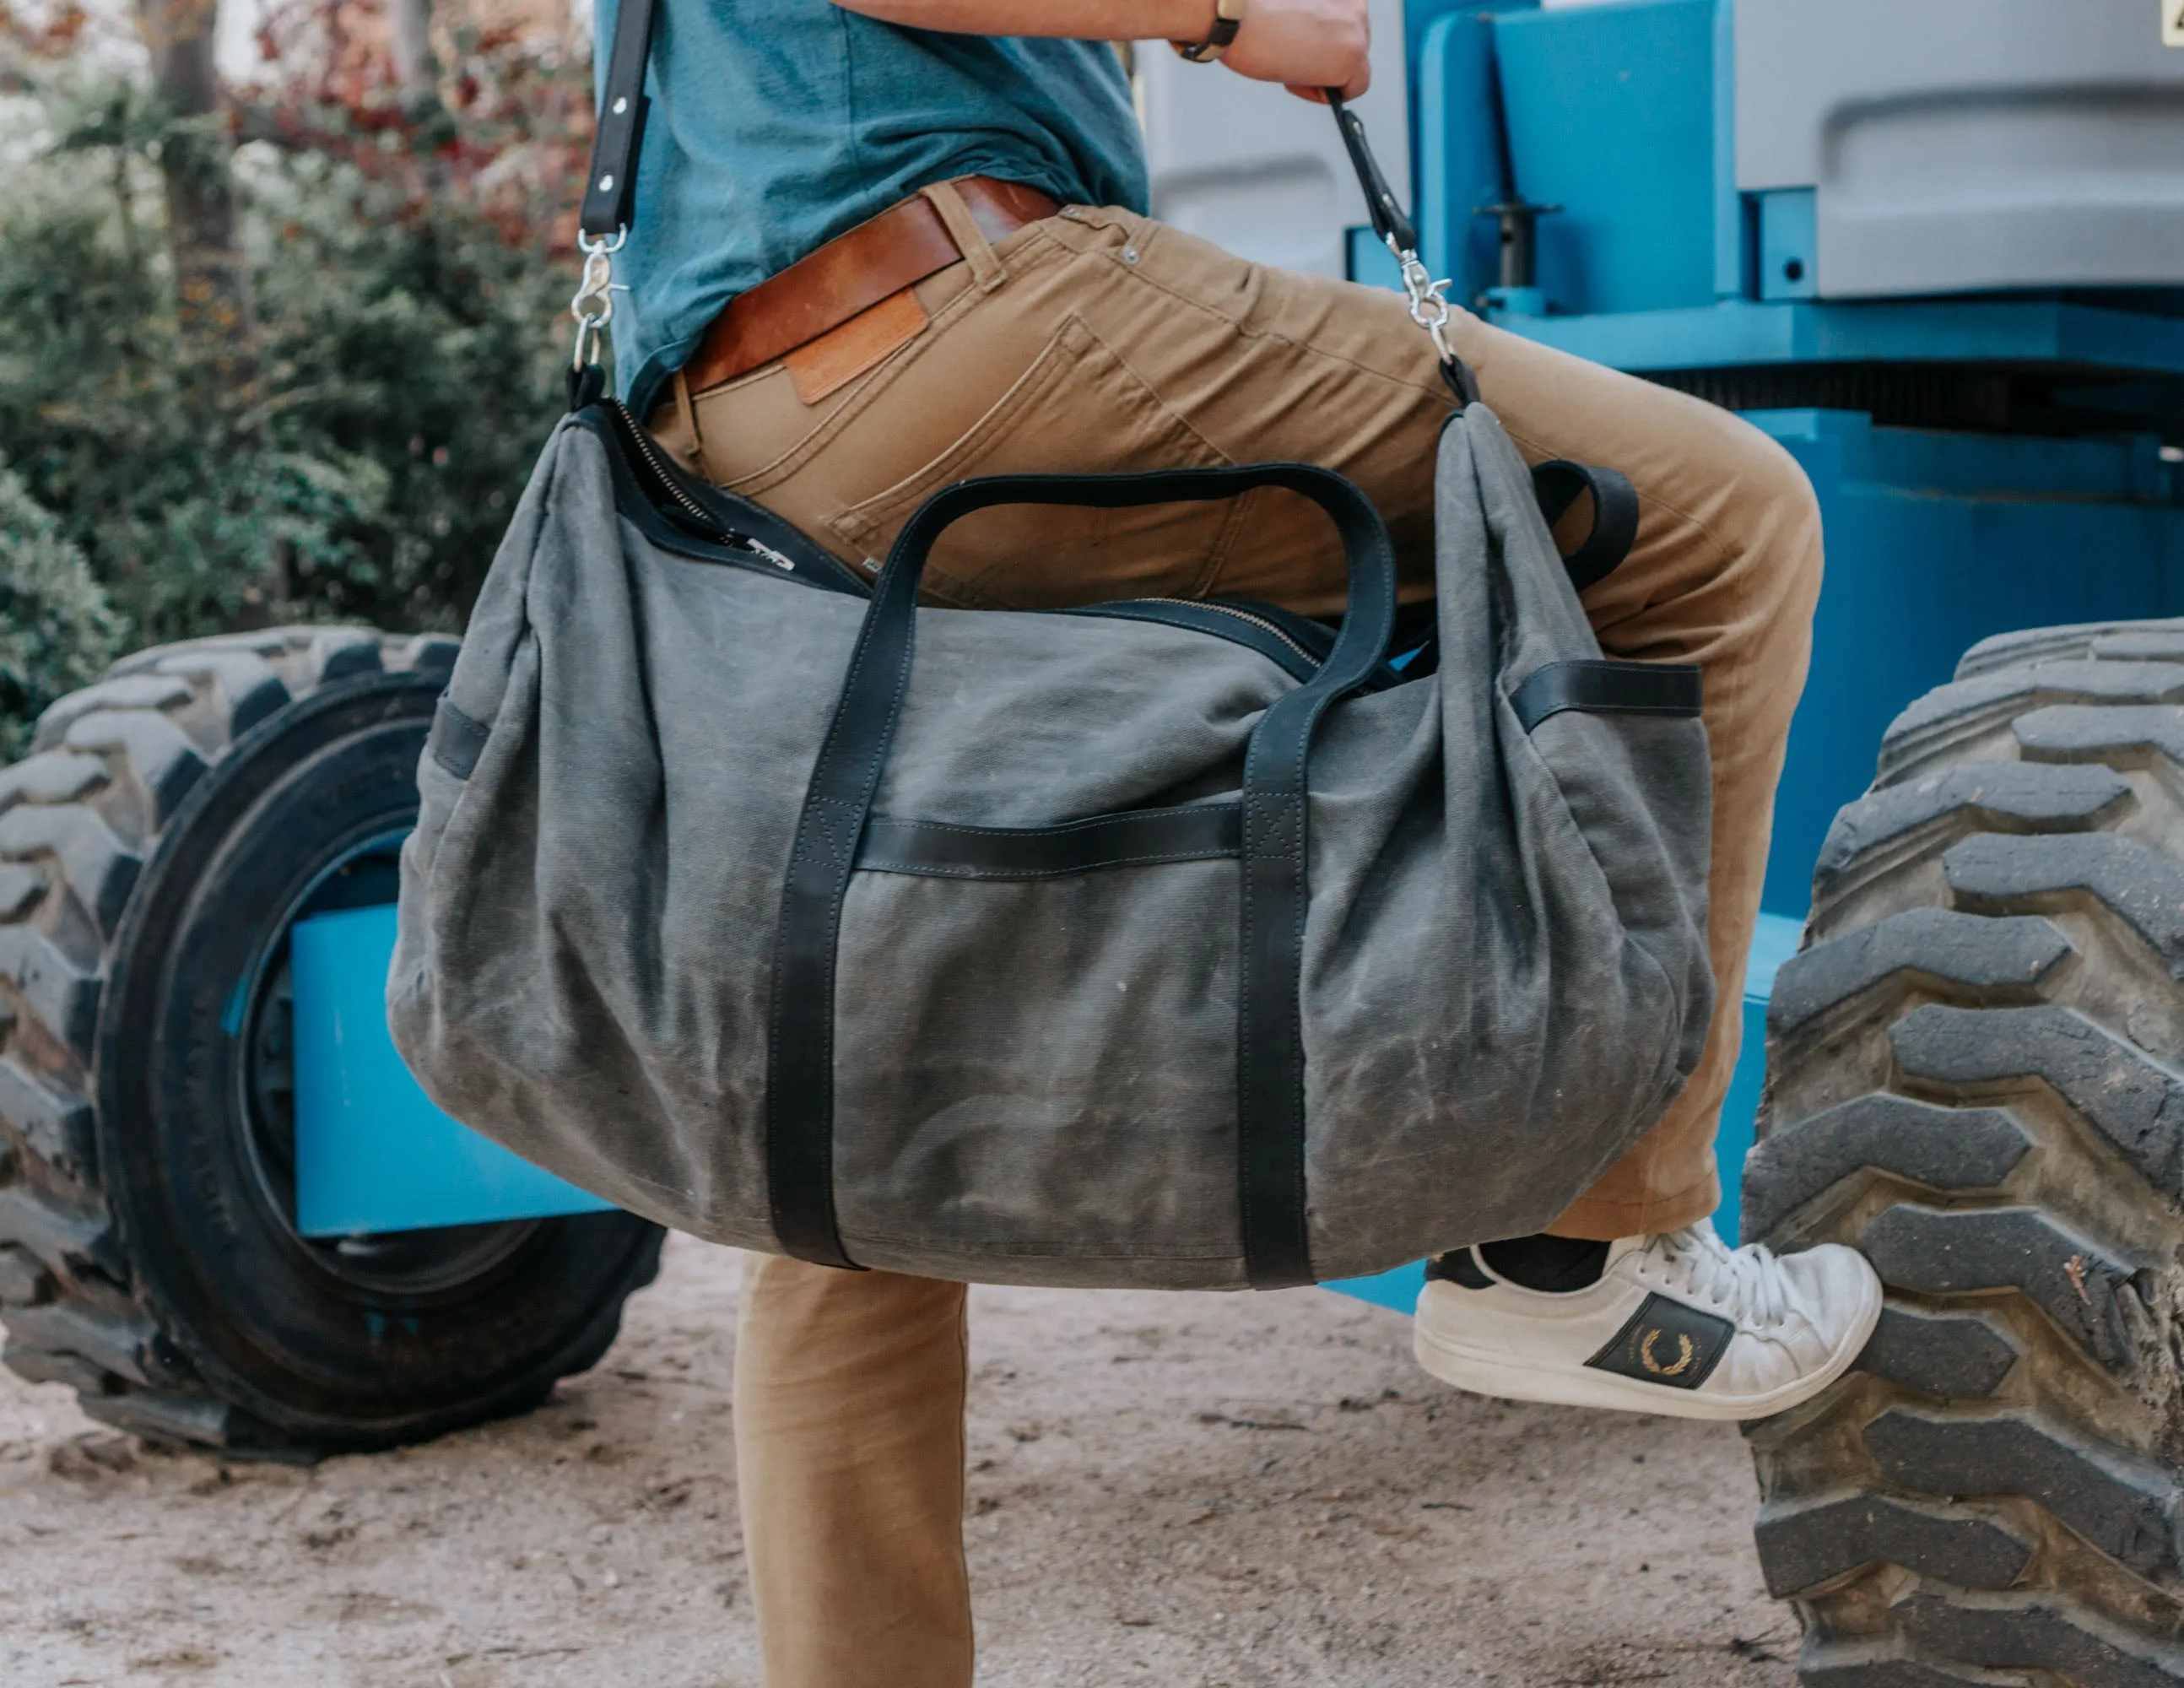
{"x":844,"y":352}
{"x":1667,"y":1343}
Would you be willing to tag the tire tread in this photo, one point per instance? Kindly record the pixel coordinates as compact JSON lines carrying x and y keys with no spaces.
{"x":110,"y":765}
{"x":1966,"y":1077}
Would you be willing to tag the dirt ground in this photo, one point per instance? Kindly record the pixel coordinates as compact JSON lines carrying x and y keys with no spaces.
{"x":1183,"y":1490}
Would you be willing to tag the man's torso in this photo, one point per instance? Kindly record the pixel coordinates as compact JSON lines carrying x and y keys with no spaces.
{"x":776,"y":125}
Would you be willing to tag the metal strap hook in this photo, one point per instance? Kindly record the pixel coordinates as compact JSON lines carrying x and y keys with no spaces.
{"x":1429,"y":299}
{"x":592,"y":306}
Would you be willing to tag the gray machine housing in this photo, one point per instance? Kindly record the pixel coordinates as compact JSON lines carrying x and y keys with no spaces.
{"x":1955,"y":145}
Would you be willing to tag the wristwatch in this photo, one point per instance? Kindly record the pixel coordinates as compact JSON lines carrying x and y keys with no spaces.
{"x":1227,"y":16}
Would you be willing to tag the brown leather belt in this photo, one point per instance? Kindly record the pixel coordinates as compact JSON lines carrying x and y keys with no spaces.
{"x":850,"y":274}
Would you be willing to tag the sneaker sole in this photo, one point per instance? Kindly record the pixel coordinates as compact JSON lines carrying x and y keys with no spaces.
{"x":1467,"y":1369}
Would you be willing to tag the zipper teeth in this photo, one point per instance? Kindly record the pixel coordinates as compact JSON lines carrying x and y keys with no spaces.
{"x":661,"y":474}
{"x":1264,"y":627}
{"x":742,"y":540}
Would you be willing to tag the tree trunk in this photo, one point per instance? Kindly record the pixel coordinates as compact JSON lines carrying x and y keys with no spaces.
{"x":416,"y":69}
{"x":211,"y":283}
{"x":409,"y":46}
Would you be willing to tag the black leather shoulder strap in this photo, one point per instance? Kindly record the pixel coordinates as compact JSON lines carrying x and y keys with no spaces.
{"x":609,"y":203}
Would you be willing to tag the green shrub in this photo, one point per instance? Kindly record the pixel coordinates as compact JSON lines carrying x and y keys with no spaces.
{"x":355,"y":457}
{"x":56,"y":630}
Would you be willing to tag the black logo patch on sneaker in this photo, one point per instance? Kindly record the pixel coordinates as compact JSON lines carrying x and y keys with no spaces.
{"x":1667,"y":1343}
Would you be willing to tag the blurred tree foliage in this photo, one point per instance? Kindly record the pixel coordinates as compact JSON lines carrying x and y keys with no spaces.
{"x":56,"y":629}
{"x":407,"y":258}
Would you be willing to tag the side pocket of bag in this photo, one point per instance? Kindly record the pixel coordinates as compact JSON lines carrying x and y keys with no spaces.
{"x":454,"y":768}
{"x":1620,"y":743}
{"x":1637,"y":786}
{"x":459,"y":742}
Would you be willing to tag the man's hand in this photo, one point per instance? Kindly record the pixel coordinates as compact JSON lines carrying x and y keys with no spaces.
{"x":1307,"y":45}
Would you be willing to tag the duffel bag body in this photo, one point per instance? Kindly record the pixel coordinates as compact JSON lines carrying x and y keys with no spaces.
{"x":1123,"y":948}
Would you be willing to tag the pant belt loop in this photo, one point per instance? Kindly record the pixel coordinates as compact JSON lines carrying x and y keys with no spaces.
{"x":986,"y":271}
{"x":689,"y":413}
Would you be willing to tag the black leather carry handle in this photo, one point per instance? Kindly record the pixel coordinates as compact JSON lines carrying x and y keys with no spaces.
{"x":1556,"y":484}
{"x":1366,"y":546}
{"x":1270,"y":1061}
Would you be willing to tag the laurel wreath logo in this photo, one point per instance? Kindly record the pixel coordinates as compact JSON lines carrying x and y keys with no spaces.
{"x":1685,"y":1354}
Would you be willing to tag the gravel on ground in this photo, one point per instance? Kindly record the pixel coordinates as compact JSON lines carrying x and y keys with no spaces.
{"x":1177,"y":1491}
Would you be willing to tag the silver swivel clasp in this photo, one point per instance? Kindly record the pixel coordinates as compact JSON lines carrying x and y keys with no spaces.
{"x":1429,"y":297}
{"x":593,"y":305}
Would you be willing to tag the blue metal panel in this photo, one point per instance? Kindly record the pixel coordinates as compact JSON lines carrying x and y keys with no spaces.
{"x":1772,"y":942}
{"x":1367,"y":259}
{"x":1420,"y":16}
{"x":1398,"y":1289}
{"x":1729,"y":241}
{"x":1609,"y":114}
{"x":1458,"y":161}
{"x":1959,"y":331}
{"x":1935,"y":541}
{"x":372,"y":1153}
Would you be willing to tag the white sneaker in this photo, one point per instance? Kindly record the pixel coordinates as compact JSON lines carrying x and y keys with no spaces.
{"x":1679,"y":1323}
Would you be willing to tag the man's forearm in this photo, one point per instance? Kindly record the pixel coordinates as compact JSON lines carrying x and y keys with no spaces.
{"x":1308,"y":44}
{"x":1074,"y":19}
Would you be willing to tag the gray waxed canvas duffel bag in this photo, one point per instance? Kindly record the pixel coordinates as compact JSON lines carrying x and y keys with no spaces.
{"x":1146,"y":947}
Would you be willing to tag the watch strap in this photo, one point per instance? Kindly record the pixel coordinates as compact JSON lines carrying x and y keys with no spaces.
{"x":1227,"y":19}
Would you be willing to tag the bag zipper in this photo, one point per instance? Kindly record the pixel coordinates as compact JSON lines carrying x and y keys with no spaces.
{"x":1245,"y":615}
{"x":726,"y":535}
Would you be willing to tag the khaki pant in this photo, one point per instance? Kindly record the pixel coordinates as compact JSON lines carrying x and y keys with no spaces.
{"x":1099,"y":340}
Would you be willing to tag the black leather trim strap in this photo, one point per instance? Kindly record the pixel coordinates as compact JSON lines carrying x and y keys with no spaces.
{"x":1608,"y":687}
{"x":1294,"y":643}
{"x":1270,"y":1067}
{"x":610,"y":190}
{"x":1194,"y":832}
{"x":838,"y":804}
{"x":456,"y":742}
{"x":1557,"y":483}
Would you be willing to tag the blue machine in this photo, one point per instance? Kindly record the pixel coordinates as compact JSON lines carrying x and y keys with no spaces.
{"x":1992,"y":435}
{"x":373,"y":1154}
{"x":1683,"y":189}
{"x":1937,"y":251}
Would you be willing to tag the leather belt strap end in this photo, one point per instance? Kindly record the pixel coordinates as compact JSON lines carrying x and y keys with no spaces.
{"x":852,"y":273}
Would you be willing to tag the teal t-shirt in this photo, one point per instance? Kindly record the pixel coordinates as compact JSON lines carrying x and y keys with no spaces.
{"x":776,"y":125}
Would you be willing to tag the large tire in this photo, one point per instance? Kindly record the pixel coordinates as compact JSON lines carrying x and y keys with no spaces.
{"x":1976,"y":1075}
{"x":171,"y":824}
